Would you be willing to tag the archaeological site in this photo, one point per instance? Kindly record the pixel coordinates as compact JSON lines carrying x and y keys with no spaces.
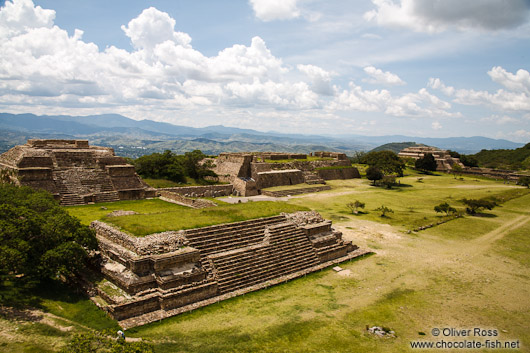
{"x":74,"y":172}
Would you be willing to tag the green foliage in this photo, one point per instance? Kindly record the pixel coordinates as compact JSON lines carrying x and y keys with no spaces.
{"x":469,"y":160}
{"x":444,"y":207}
{"x":384,"y":210}
{"x":357,"y":157}
{"x":374,"y":174}
{"x":426,"y":163}
{"x":503,"y":159}
{"x":386,"y":161}
{"x":456,"y":170}
{"x":354,"y":206}
{"x":388,"y":181}
{"x":174,"y":167}
{"x":474,"y":205}
{"x":104,"y":342}
{"x":38,"y":238}
{"x":525,"y":181}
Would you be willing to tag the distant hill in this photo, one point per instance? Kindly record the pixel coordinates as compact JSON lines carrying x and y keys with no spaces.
{"x":395,"y":147}
{"x":516,"y":159}
{"x":133,"y":138}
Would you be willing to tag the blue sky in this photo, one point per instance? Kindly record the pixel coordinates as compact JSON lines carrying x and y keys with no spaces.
{"x":373,"y":67}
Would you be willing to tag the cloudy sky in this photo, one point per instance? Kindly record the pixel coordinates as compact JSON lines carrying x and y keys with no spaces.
{"x":373,"y":67}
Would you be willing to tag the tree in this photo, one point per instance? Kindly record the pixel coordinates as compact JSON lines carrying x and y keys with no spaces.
{"x":386,"y":161}
{"x":354,"y":206}
{"x":384,"y":210}
{"x":468,"y":160}
{"x":38,"y":238}
{"x":474,"y":205}
{"x":426,"y":163}
{"x":444,"y":207}
{"x":192,"y":166}
{"x":456,"y":169}
{"x":374,"y":174}
{"x":525,"y":181}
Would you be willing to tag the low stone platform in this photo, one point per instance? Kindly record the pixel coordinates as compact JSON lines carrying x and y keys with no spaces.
{"x":292,"y":192}
{"x":164,"y":274}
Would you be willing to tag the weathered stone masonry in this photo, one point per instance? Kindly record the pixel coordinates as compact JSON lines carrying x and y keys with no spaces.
{"x":171,"y":271}
{"x":74,"y":172}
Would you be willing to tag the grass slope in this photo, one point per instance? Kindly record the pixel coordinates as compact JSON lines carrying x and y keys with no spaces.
{"x":466,"y":273}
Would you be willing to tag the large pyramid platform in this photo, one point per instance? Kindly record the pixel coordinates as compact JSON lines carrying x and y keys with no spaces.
{"x":74,"y":172}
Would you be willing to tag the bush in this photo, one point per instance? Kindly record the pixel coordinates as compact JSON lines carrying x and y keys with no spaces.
{"x":427,"y":163}
{"x":384,"y":210}
{"x":354,"y":206}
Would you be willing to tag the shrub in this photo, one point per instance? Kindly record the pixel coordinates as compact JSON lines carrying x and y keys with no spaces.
{"x":354,"y":206}
{"x":384,"y":210}
{"x":474,"y":205}
{"x":444,"y":207}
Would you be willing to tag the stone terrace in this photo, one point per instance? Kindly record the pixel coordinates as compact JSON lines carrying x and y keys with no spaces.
{"x":74,"y":172}
{"x":166,"y":272}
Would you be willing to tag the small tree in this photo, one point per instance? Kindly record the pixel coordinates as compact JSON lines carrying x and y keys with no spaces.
{"x":384,"y":210}
{"x":456,"y":170}
{"x":444,"y":207}
{"x":374,"y":174}
{"x":427,"y":163}
{"x":354,"y":206}
{"x":525,"y":181}
{"x":474,"y":205}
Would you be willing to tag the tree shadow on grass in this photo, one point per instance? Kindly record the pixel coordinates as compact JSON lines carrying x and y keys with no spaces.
{"x":484,"y":215}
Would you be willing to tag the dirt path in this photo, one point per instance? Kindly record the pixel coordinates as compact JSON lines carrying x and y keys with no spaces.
{"x":500,"y":232}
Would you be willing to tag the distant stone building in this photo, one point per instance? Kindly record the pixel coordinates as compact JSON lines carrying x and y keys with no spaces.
{"x":250,"y":173}
{"x":444,"y":161}
{"x":74,"y":172}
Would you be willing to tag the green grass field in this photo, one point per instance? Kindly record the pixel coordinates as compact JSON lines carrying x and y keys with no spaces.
{"x":466,"y":273}
{"x":157,"y":216}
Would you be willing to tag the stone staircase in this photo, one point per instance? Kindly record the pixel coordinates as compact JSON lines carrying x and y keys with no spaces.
{"x":226,"y":237}
{"x":312,"y":179}
{"x":286,"y":250}
{"x":71,"y":200}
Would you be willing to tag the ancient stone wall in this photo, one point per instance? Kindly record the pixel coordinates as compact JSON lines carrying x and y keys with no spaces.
{"x":339,"y":173}
{"x":201,"y":191}
{"x":185,"y":201}
{"x":279,"y":177}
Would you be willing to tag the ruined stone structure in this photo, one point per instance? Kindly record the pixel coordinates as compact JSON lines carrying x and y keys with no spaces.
{"x":444,"y":161}
{"x":74,"y":172}
{"x":168,"y":273}
{"x":249,"y":173}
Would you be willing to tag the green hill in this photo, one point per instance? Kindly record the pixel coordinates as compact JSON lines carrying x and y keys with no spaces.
{"x":395,"y":147}
{"x":516,"y":159}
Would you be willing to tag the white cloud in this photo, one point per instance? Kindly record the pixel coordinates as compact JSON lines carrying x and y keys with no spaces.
{"x":440,"y":15}
{"x":416,"y":105}
{"x":320,"y":79}
{"x":500,"y":119}
{"x":270,"y":10}
{"x":516,"y":98}
{"x":153,"y":27}
{"x":436,"y":125}
{"x":382,"y":78}
{"x":520,"y":82}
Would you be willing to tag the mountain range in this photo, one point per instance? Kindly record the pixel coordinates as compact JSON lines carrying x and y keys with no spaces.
{"x":133,"y":138}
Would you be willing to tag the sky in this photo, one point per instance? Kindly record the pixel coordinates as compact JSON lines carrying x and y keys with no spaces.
{"x":438,"y":68}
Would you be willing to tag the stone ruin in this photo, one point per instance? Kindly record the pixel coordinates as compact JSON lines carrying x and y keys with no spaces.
{"x":249,"y":173}
{"x":74,"y":172}
{"x":444,"y":161}
{"x":165,"y":274}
